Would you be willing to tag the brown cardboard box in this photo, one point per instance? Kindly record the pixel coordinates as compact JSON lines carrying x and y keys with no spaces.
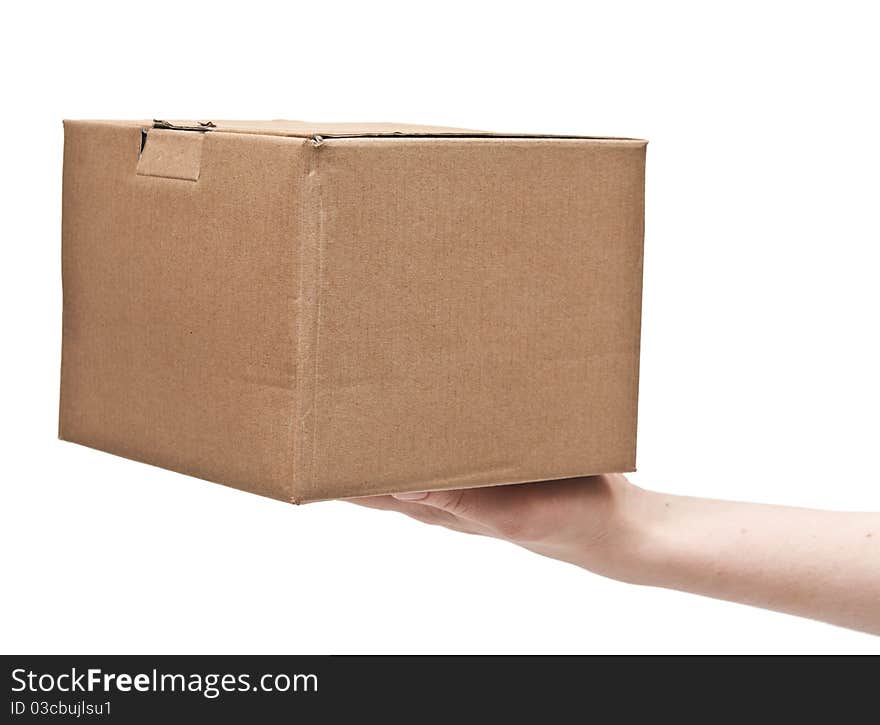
{"x":311,"y":311}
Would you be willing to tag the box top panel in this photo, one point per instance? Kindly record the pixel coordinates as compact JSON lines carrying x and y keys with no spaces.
{"x":309,"y":129}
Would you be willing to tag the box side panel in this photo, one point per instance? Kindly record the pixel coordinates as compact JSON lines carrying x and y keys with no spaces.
{"x":179,"y":301}
{"x":477,"y":313}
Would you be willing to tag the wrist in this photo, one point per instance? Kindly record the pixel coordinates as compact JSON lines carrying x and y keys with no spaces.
{"x":630,"y":551}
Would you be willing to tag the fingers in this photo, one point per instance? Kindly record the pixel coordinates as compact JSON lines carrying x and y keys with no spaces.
{"x":425,"y":514}
{"x":505,"y":510}
{"x":383,"y":503}
{"x":528,"y":513}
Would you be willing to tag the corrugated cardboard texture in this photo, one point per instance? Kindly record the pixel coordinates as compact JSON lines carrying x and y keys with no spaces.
{"x":311,"y":318}
{"x":179,"y":306}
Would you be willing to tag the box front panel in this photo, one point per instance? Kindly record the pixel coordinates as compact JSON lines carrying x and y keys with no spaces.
{"x":179,"y":276}
{"x":477,"y":312}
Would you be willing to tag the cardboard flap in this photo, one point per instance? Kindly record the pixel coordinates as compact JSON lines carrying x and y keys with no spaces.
{"x":308,"y":129}
{"x":171,"y":154}
{"x":319,"y":131}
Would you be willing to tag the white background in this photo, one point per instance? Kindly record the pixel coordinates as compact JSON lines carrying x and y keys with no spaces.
{"x":760,"y":341}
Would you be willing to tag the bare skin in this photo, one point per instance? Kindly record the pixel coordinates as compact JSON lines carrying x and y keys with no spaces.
{"x":822,"y":565}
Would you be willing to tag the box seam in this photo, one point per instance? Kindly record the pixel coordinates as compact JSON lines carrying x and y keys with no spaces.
{"x":310,"y":261}
{"x":318,"y":272}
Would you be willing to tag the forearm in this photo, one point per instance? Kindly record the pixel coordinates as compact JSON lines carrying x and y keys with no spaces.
{"x":819,"y":564}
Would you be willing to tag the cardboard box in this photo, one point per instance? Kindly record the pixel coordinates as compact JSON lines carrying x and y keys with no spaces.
{"x":312,"y":311}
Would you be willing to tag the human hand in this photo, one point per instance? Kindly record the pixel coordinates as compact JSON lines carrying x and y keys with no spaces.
{"x":592,"y":522}
{"x":819,"y":564}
